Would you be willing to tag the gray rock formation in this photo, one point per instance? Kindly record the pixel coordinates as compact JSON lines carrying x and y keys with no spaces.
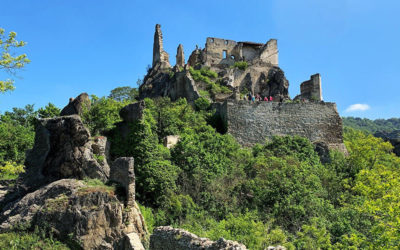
{"x":90,"y":215}
{"x":76,"y":106}
{"x":132,"y":112}
{"x":122,"y":172}
{"x":168,"y":238}
{"x":63,"y":148}
{"x":180,"y":57}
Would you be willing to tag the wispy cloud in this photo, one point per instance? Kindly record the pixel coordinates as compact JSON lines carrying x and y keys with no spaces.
{"x":357,"y":107}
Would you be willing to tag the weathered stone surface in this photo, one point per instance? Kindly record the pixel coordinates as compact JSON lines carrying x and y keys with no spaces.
{"x":91,"y":214}
{"x":62,"y":149}
{"x":66,"y":145}
{"x":171,"y":140}
{"x":276,"y":248}
{"x":252,"y":123}
{"x":159,"y":55}
{"x":122,"y":172}
{"x":311,"y":89}
{"x":180,"y":57}
{"x":182,"y":86}
{"x":132,"y":112}
{"x":168,"y":238}
{"x":132,"y":242}
{"x":76,"y":106}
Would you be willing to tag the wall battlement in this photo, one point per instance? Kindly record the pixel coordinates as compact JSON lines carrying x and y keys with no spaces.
{"x":252,"y":123}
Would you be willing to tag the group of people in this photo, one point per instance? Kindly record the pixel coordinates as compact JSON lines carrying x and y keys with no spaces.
{"x":258,"y":97}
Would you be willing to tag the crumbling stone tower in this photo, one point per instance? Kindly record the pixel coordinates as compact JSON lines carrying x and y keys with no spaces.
{"x":159,"y":55}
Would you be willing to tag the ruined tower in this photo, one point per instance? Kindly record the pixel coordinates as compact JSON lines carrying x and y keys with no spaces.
{"x":159,"y":55}
{"x":180,"y":57}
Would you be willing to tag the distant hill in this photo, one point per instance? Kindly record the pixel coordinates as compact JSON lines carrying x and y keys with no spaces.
{"x":372,"y":126}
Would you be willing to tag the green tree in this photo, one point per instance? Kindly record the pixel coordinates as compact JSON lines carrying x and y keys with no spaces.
{"x":49,"y":111}
{"x":122,"y":94}
{"x":9,"y":62}
{"x":102,"y":115}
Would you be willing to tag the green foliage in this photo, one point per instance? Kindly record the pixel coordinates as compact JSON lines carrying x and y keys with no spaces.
{"x":204,"y":75}
{"x":49,"y":111}
{"x":202,"y":103}
{"x":22,"y":240}
{"x":208,"y":72}
{"x":15,"y":138}
{"x":372,"y":126}
{"x":241,"y":65}
{"x":102,"y":115}
{"x":9,"y":62}
{"x":124,"y":94}
{"x":10,"y":170}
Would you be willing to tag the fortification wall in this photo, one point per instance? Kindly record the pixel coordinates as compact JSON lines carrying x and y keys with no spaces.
{"x":252,"y":123}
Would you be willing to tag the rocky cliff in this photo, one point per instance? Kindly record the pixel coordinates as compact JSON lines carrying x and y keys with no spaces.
{"x":63,"y":190}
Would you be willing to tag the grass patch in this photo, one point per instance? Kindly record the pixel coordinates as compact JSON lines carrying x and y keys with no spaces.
{"x":96,"y":185}
{"x":203,"y":75}
{"x":241,"y":65}
{"x":23,"y":240}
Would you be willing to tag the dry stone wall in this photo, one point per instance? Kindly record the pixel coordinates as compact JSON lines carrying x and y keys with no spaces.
{"x":252,"y":123}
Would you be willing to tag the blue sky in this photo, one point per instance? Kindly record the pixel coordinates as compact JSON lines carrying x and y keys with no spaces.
{"x":94,"y":46}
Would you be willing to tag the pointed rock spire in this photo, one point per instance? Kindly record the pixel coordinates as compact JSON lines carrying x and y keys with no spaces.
{"x":180,"y":57}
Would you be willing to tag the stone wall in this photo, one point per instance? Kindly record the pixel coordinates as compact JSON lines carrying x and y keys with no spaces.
{"x":252,"y":123}
{"x":311,"y":89}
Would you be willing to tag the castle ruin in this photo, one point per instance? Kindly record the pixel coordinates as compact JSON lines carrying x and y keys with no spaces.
{"x":243,"y":68}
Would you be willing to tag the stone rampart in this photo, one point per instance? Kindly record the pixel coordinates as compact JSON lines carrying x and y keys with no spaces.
{"x":252,"y":123}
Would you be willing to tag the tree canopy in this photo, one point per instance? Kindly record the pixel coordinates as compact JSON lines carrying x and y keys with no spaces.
{"x":10,"y":61}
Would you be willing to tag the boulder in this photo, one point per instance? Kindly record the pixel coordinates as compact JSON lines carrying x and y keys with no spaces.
{"x":77,"y":105}
{"x":88,"y":214}
{"x":168,"y":238}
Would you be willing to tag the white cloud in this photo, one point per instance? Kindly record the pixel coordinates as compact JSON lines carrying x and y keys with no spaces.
{"x":357,"y":107}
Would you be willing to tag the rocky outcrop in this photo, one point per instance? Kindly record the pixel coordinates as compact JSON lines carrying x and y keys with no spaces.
{"x":168,"y":238}
{"x":63,"y":148}
{"x":77,"y":105}
{"x":89,"y":214}
{"x":132,"y":112}
{"x":180,"y":57}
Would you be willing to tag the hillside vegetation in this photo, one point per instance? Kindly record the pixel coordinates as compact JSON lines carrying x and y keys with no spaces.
{"x":277,"y":193}
{"x":372,"y":126}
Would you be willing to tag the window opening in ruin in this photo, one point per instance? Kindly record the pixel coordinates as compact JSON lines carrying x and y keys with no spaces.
{"x":226,"y":41}
{"x":224,"y":54}
{"x":212,"y":40}
{"x":233,"y":57}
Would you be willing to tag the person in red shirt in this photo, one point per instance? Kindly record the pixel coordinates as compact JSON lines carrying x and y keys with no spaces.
{"x":265,"y":99}
{"x":271,"y":98}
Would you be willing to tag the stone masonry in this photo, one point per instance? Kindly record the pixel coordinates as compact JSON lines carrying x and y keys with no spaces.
{"x":311,"y":89}
{"x":252,"y":123}
{"x":159,"y":55}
